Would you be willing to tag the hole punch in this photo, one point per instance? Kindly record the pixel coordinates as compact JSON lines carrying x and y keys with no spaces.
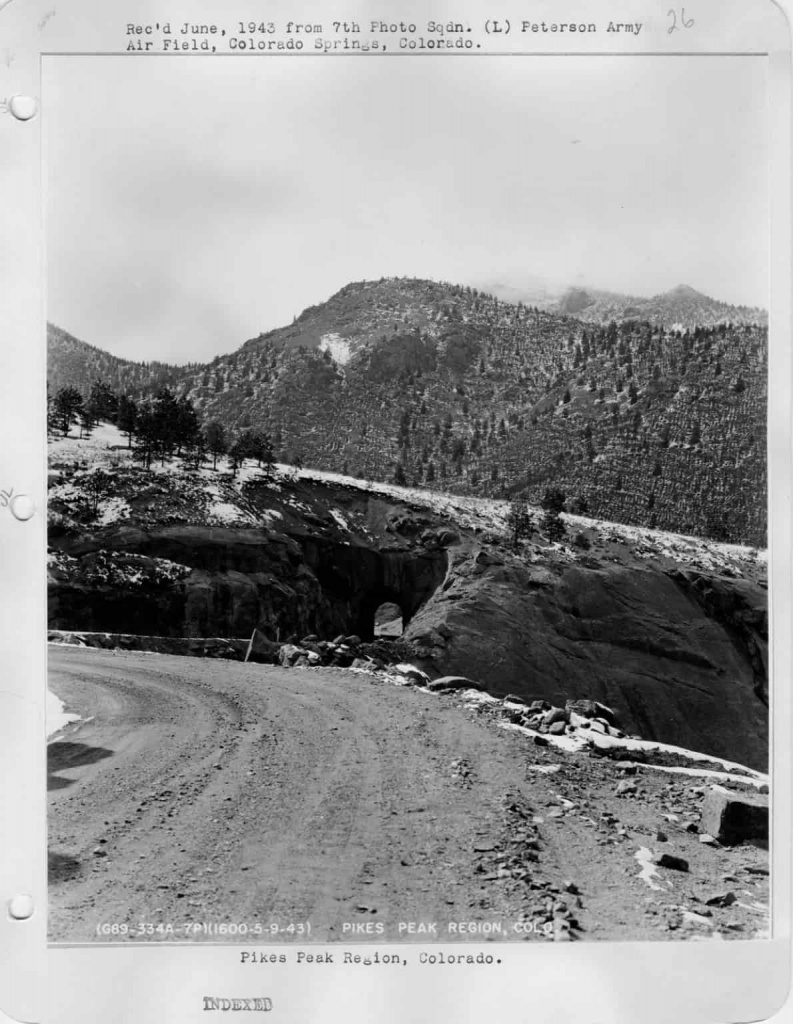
{"x":24,"y":108}
{"x":20,"y":907}
{"x":22,"y":507}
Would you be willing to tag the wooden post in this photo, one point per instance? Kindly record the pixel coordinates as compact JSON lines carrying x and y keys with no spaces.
{"x":250,"y":645}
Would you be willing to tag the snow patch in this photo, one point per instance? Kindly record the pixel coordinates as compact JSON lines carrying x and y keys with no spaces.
{"x":626,"y":743}
{"x":648,"y":869}
{"x":338,"y":347}
{"x":702,"y":773}
{"x":474,"y":698}
{"x":113,"y":511}
{"x":341,"y":521}
{"x":56,"y":715}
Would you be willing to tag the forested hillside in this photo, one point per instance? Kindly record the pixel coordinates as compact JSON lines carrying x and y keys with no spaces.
{"x":442,"y":386}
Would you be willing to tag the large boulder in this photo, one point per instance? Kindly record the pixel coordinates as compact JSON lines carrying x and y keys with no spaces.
{"x":735,"y":817}
{"x":290,"y":655}
{"x":590,"y":709}
{"x":454,"y":683}
{"x":636,"y":640}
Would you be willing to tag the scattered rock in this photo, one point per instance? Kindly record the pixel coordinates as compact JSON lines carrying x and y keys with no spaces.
{"x":557,"y":729}
{"x":709,"y":840}
{"x":735,"y":817}
{"x":721,"y":899}
{"x":513,"y":698}
{"x":555,"y":715}
{"x":625,"y":786}
{"x":662,"y":837}
{"x":99,"y":852}
{"x":669,"y":860}
{"x":541,"y":741}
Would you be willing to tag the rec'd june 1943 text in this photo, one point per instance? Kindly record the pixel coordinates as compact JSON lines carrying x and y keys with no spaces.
{"x":374,"y":36}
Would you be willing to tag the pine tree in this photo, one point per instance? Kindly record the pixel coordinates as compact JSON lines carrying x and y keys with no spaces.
{"x":103,"y":401}
{"x":187,"y":430}
{"x":217,"y":444}
{"x":127,"y":417}
{"x":552,"y":524}
{"x":95,"y":485}
{"x":66,"y":404}
{"x":87,"y":419}
{"x":519,"y":520}
{"x":147,"y":434}
{"x":267,"y":455}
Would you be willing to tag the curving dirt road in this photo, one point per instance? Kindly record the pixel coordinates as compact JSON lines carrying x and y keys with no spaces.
{"x":224,"y":792}
{"x":196,"y":794}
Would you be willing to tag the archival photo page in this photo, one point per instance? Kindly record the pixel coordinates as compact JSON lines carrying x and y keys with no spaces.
{"x":408,"y":564}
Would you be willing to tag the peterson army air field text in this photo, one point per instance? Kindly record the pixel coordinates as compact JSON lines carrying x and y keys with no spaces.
{"x":373,"y":35}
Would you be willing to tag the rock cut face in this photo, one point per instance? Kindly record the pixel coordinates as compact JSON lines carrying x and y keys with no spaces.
{"x":236,"y":580}
{"x":641,"y":641}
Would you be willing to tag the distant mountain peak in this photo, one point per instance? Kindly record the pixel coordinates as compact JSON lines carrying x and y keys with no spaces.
{"x":683,"y":291}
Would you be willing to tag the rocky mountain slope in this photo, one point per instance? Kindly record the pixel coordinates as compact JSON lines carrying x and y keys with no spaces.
{"x":680,"y":308}
{"x":446,"y":387}
{"x":669,"y":631}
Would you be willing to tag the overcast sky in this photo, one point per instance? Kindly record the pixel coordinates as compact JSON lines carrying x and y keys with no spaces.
{"x":193,"y":203}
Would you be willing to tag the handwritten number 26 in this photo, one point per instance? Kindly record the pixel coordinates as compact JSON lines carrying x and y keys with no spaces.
{"x":684,"y":21}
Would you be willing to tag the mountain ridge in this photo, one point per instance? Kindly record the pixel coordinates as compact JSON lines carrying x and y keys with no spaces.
{"x":444,"y":385}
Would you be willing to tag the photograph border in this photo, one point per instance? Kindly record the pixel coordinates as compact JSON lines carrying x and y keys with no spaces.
{"x":88,"y":979}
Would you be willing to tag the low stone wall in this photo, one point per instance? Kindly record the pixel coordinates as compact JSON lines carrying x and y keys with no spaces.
{"x":195,"y":647}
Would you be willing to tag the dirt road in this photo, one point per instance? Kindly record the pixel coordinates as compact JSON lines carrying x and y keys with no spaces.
{"x":198,"y":795}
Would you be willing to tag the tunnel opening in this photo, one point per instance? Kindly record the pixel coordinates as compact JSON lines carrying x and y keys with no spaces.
{"x":388,"y":620}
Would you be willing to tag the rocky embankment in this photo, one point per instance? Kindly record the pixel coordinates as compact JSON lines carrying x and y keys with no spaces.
{"x":676,"y":646}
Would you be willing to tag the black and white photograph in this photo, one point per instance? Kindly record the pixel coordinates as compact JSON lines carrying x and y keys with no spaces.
{"x":408,"y":539}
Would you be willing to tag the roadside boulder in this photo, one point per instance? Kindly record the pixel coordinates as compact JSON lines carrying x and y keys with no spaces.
{"x":734,"y":817}
{"x":453,"y":683}
{"x":591,"y":709}
{"x":415,"y":675}
{"x":289,"y":655}
{"x":669,"y":860}
{"x":555,"y":715}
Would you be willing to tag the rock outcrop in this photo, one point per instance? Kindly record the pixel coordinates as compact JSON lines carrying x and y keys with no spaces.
{"x":675,"y":666}
{"x":240,"y":579}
